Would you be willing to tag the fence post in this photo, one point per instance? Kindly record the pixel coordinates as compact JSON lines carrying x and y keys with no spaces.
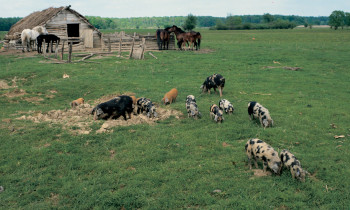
{"x":143,"y":48}
{"x":70,"y":52}
{"x":102,"y":42}
{"x":120,"y":46}
{"x":50,"y":47}
{"x":44,"y":47}
{"x":109,"y":44}
{"x":62,"y":50}
{"x":132,"y":47}
{"x":56,"y":50}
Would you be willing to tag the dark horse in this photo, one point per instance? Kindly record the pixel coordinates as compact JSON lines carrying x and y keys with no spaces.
{"x":48,"y":38}
{"x":163,"y":37}
{"x":184,"y":38}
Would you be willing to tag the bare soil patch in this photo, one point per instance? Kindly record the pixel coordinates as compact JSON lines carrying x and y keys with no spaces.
{"x":260,"y":173}
{"x":15,"y":93}
{"x":204,"y":51}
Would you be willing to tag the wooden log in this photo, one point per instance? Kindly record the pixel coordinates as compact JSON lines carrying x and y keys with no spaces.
{"x":62,"y":50}
{"x":152,"y":55}
{"x":70,"y":52}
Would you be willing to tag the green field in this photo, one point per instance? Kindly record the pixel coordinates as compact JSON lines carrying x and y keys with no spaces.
{"x":184,"y":163}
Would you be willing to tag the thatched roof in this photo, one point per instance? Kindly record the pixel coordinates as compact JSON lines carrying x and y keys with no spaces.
{"x":40,"y":18}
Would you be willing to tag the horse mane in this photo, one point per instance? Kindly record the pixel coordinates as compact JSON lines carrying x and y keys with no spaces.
{"x":167,"y":28}
{"x":180,"y":30}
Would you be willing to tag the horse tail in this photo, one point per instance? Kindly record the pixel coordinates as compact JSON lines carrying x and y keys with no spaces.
{"x":199,"y":40}
{"x":158,"y":39}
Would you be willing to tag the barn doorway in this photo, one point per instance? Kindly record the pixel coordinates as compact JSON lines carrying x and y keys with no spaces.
{"x":73,"y":30}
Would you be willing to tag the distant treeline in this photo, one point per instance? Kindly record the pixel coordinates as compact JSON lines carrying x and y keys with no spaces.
{"x":6,"y":23}
{"x":247,"y":21}
{"x":202,"y":21}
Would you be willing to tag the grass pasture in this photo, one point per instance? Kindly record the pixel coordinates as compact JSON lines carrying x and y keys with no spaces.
{"x":184,"y":163}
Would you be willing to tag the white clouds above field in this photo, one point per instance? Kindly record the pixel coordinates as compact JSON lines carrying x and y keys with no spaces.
{"x":158,"y":8}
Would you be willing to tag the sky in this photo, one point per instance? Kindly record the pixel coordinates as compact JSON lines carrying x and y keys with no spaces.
{"x":160,"y":8}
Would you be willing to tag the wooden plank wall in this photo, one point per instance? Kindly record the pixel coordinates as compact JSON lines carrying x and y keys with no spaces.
{"x":151,"y":41}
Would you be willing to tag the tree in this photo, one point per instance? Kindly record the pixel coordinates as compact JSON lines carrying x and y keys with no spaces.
{"x":337,"y":19}
{"x":347,"y":19}
{"x":190,"y":22}
{"x":268,"y":18}
{"x":232,"y":21}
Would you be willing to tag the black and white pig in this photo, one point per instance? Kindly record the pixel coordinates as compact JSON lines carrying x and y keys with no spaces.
{"x":192,"y":108}
{"x":216,"y":113}
{"x":226,"y":106}
{"x":114,"y":108}
{"x":145,"y":104}
{"x":256,"y":110}
{"x":213,"y":81}
{"x":258,"y":149}
{"x":293,"y":164}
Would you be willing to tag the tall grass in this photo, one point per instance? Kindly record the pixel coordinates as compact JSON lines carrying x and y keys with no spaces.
{"x":178,"y":163}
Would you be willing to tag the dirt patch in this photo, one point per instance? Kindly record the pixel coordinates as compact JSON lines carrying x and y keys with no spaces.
{"x":33,"y":99}
{"x":204,"y":51}
{"x":79,"y":119}
{"x":4,"y":85}
{"x":15,"y":93}
{"x":260,"y":173}
{"x":109,"y":97}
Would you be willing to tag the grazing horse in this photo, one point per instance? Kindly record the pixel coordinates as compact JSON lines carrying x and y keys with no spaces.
{"x":29,"y":36}
{"x":163,"y":37}
{"x":186,"y":37}
{"x":48,"y":39}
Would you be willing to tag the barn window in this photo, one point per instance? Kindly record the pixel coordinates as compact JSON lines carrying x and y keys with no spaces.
{"x":73,"y":30}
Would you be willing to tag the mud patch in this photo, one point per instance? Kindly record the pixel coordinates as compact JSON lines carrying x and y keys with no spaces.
{"x":79,"y":119}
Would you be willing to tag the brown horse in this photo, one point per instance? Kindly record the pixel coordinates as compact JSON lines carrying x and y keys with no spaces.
{"x":186,"y":37}
{"x":163,"y":37}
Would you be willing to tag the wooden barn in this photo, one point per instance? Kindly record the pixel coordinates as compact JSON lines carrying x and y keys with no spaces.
{"x":64,"y":22}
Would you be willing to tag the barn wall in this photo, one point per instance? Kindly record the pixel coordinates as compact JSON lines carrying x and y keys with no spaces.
{"x":58,"y":26}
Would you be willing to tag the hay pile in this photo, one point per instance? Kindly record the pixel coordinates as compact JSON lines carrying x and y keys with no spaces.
{"x":79,"y":119}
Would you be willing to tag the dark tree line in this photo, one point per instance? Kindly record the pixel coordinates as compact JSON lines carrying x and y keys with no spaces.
{"x":246,"y":21}
{"x":339,"y":19}
{"x":6,"y":23}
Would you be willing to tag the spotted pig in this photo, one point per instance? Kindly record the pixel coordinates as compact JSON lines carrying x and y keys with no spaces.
{"x":213,"y":81}
{"x":226,"y":106}
{"x":258,"y":149}
{"x":293,"y":164}
{"x":216,"y":113}
{"x":114,"y":108}
{"x":256,"y":110}
{"x":145,"y":104}
{"x":192,"y":108}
